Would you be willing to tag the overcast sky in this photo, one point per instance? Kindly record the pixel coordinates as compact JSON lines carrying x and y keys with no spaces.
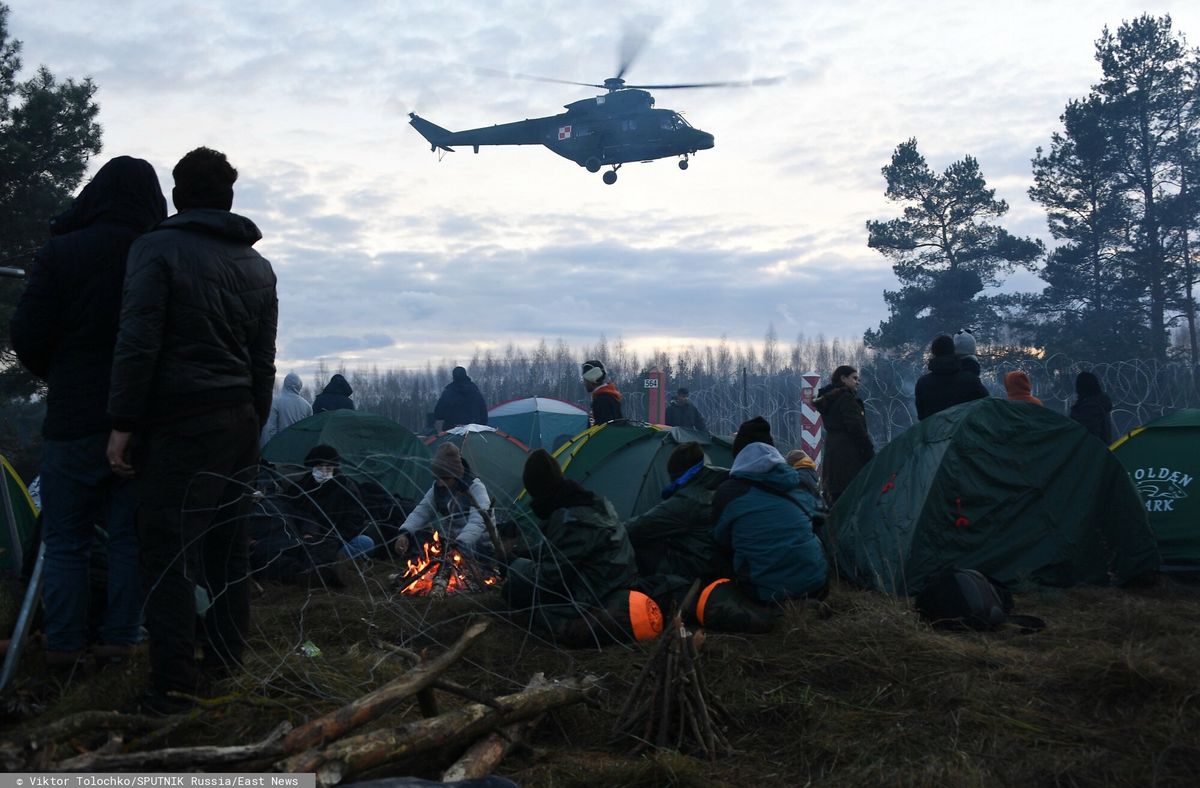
{"x":387,"y":255}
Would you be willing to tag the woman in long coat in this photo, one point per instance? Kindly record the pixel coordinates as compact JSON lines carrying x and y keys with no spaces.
{"x":848,"y":445}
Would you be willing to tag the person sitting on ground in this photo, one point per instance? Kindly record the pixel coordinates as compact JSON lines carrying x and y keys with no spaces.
{"x":1019,"y":387}
{"x":682,"y":413}
{"x":964,"y":348}
{"x":575,"y":582}
{"x":946,"y":384}
{"x":848,"y":445}
{"x":335,"y":396}
{"x":606,"y":400}
{"x":287,"y":408}
{"x":461,"y":403}
{"x":1092,"y":407}
{"x":455,"y":505}
{"x":675,"y":536}
{"x":764,"y":518}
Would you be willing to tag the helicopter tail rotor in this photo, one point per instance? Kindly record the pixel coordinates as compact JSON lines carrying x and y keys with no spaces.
{"x":435,"y":135}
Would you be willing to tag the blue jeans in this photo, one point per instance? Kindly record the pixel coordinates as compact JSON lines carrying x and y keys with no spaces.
{"x":79,"y":492}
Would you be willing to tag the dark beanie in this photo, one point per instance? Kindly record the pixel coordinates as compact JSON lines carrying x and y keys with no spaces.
{"x":447,"y":462}
{"x":756,"y":430}
{"x":322,"y":454}
{"x":542,"y":475}
{"x":685,"y":456}
{"x":942,"y":346}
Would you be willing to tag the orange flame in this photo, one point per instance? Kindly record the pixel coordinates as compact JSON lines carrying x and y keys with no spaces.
{"x":419,"y":574}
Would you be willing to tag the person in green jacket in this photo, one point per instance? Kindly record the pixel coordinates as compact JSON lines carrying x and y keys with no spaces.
{"x":584,"y":562}
{"x":675,"y":537}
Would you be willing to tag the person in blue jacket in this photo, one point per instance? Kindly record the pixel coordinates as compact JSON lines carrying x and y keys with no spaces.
{"x":763,"y":516}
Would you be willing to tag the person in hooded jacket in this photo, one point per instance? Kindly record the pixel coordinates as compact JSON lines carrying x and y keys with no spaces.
{"x":461,"y":403}
{"x":763,"y":517}
{"x":848,"y":445}
{"x":1019,"y":387}
{"x":946,"y":384}
{"x":64,"y":330}
{"x":454,"y":504}
{"x":193,"y":374}
{"x":674,"y":537}
{"x":335,"y":396}
{"x":606,"y":399}
{"x":1092,"y":407}
{"x":583,"y":560}
{"x":287,"y":408}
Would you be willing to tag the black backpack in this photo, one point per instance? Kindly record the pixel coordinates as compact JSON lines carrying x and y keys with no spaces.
{"x":966,"y":599}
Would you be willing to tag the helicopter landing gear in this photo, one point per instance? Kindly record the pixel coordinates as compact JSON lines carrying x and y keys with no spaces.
{"x":683,"y":163}
{"x":592,"y":164}
{"x":610,"y":177}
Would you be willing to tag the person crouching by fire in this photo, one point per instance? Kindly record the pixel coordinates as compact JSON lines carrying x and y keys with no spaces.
{"x":575,"y":585}
{"x":455,"y":503}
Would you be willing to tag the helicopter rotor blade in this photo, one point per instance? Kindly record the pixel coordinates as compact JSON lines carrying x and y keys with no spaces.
{"x":748,"y":83}
{"x":633,"y":42}
{"x":533,"y":78}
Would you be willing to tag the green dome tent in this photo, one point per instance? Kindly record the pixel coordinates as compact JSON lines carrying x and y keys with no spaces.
{"x":1163,"y":460}
{"x":496,"y":457}
{"x":627,"y":463}
{"x":373,"y":448}
{"x":20,"y":521}
{"x":1011,"y":489}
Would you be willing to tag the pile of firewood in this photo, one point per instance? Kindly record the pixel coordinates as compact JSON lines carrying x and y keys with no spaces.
{"x":671,"y":705}
{"x":488,"y":727}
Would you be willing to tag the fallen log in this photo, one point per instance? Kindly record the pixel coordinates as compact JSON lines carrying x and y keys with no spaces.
{"x":379,"y":702}
{"x":355,"y":755}
{"x":482,"y":757}
{"x":177,"y":758}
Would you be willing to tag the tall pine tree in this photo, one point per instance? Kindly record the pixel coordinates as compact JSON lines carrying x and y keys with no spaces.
{"x":946,"y":248}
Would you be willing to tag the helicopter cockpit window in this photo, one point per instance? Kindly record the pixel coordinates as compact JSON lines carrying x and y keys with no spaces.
{"x":674,"y":122}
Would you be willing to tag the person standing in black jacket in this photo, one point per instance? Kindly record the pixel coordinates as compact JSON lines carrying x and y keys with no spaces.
{"x":335,"y":396}
{"x":682,"y":413}
{"x":1092,"y":407}
{"x":193,"y":375}
{"x":848,"y":445}
{"x":64,"y":330}
{"x":946,"y":384}
{"x":461,"y":403}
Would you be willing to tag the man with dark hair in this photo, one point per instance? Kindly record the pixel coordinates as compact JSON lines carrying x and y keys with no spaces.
{"x":64,"y":330}
{"x":682,"y":413}
{"x":606,"y":400}
{"x":947,"y":383}
{"x":192,"y":379}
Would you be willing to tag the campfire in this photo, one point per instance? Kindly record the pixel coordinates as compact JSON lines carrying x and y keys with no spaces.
{"x":440,"y":571}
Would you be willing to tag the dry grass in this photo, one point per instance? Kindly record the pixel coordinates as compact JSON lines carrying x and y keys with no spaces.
{"x":856,"y":691}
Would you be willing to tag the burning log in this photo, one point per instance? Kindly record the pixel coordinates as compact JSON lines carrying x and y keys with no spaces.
{"x":441,"y":569}
{"x":350,"y":757}
{"x":482,"y":758}
{"x":377,"y":703}
{"x":671,"y":703}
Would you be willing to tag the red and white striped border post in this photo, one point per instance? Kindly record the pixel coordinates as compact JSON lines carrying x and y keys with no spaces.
{"x":812,"y":435}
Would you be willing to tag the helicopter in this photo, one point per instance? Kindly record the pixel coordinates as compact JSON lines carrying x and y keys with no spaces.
{"x":609,"y":130}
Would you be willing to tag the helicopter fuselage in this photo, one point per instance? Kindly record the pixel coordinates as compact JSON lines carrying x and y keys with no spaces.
{"x":608,"y":130}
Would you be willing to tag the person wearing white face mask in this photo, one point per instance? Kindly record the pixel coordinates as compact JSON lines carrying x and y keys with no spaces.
{"x":327,"y":510}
